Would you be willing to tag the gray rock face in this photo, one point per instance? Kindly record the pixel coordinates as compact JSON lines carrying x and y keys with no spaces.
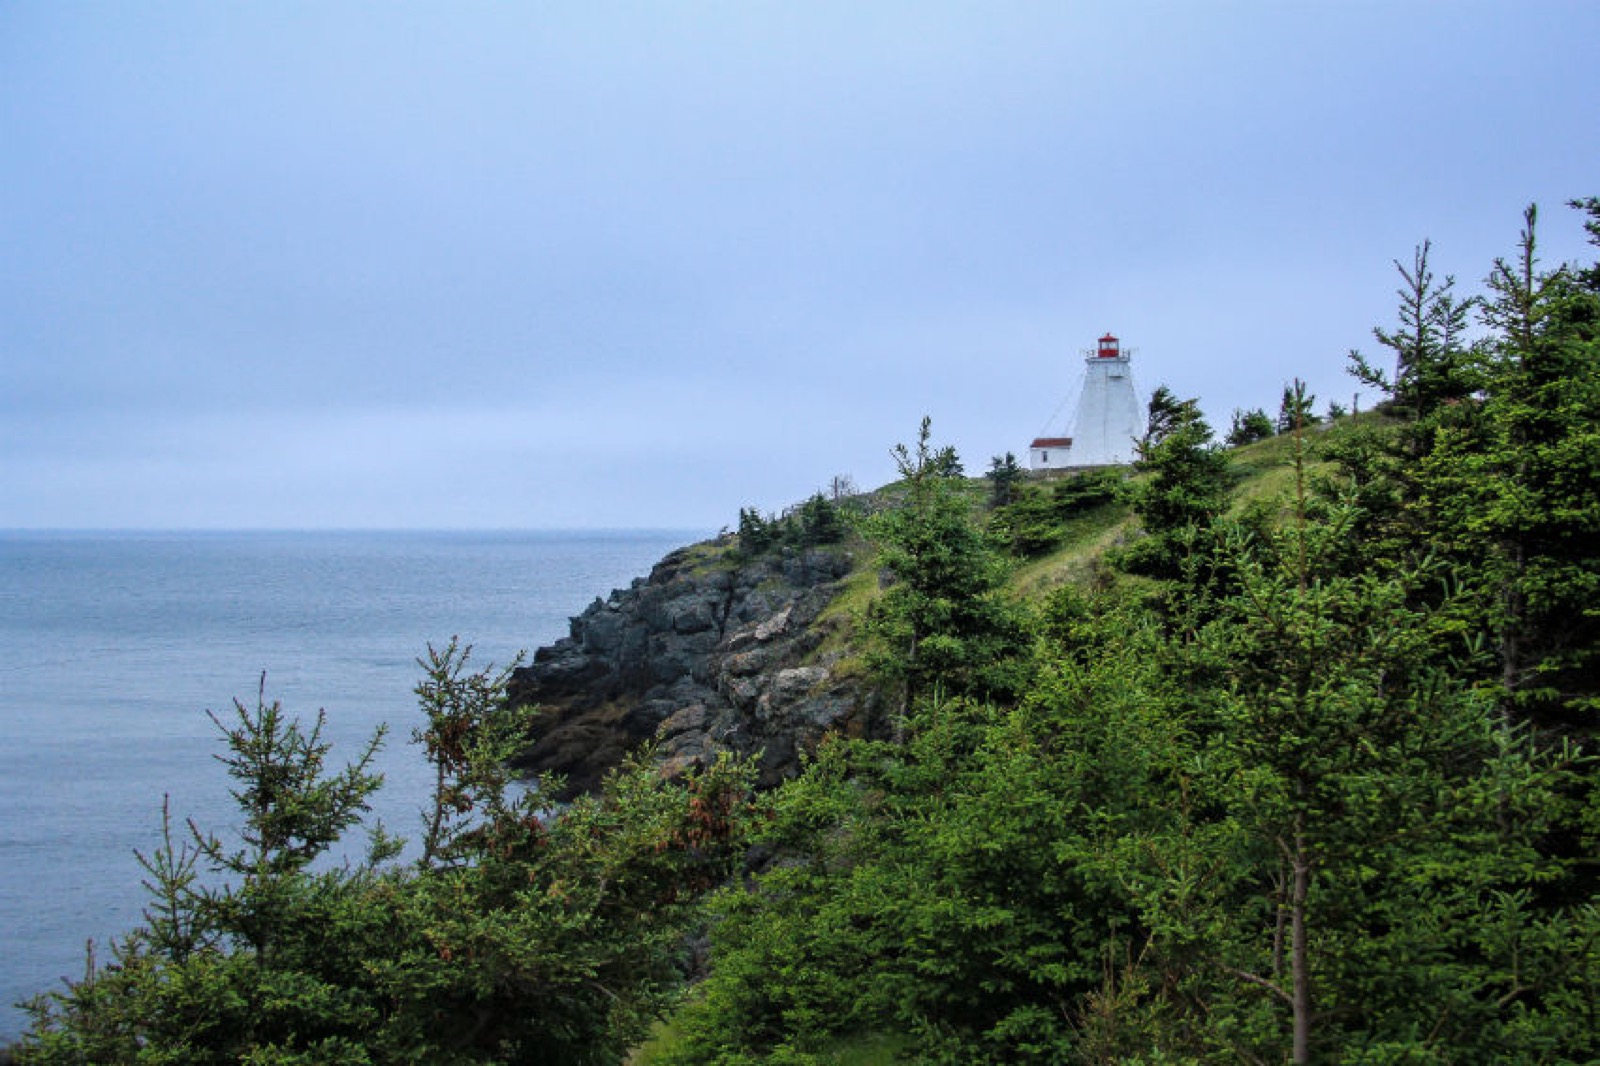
{"x":703,"y":656}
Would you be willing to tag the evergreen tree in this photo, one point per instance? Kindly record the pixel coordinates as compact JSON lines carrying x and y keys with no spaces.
{"x":1435,"y":376}
{"x":470,"y":734}
{"x":1164,"y":414}
{"x":1295,"y":412}
{"x":1507,"y":486}
{"x":1038,"y":518}
{"x":1005,"y":479}
{"x":817,"y":521}
{"x":757,"y":533}
{"x":942,"y":620}
{"x":246,"y":950}
{"x":1431,"y":363}
{"x":1248,"y":427}
{"x":1360,"y":862}
{"x":947,"y":463}
{"x":1184,"y":487}
{"x":523,"y":934}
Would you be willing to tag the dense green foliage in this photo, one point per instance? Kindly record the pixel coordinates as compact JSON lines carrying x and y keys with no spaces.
{"x":815,"y":522}
{"x":1303,"y":779}
{"x":1184,"y":491}
{"x":522,"y":934}
{"x":1295,"y":410}
{"x":1320,"y":791}
{"x":1248,"y":427}
{"x":1006,"y":477}
{"x":1036,"y":517}
{"x":942,"y":623}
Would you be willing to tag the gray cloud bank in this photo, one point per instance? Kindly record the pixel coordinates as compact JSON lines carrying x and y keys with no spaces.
{"x":639,"y":265}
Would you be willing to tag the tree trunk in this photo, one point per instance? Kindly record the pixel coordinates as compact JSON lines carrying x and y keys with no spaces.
{"x":1299,"y":952}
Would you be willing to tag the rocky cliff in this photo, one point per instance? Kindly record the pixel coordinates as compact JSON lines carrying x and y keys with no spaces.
{"x":709,"y":653}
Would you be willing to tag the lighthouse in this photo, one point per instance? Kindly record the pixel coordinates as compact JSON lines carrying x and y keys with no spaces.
{"x":1108,"y":418}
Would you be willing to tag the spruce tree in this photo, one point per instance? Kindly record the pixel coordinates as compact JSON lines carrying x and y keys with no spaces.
{"x":941,"y":621}
{"x":1005,"y":479}
{"x":1248,"y":427}
{"x":1507,"y":486}
{"x":1183,"y":486}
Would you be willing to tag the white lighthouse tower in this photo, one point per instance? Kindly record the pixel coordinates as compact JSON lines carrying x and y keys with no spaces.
{"x":1108,"y":419}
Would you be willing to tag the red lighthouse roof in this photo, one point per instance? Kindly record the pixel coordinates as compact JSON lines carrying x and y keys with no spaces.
{"x":1109,"y":347}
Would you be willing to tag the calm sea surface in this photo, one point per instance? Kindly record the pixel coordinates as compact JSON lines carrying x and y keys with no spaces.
{"x":114,"y":645}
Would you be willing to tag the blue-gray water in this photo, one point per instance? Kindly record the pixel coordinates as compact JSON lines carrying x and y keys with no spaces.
{"x":114,"y":645}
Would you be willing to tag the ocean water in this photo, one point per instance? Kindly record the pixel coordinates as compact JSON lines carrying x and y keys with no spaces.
{"x":114,"y":645}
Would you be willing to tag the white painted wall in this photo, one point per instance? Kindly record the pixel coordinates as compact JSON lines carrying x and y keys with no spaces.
{"x":1109,"y":417}
{"x":1052,"y":458}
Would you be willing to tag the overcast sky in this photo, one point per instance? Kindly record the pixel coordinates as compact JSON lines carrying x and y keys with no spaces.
{"x":543,"y":265}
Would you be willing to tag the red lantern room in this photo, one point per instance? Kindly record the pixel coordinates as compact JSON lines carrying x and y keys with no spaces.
{"x":1109,"y":348}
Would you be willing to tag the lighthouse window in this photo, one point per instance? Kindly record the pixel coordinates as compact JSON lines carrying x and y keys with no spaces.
{"x":1044,"y":457}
